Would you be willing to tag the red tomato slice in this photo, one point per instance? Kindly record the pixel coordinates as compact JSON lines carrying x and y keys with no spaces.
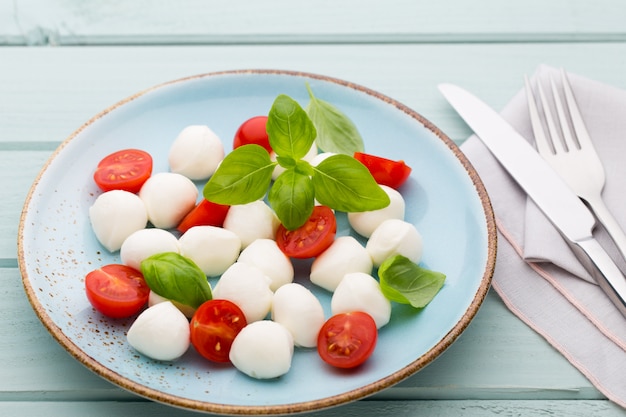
{"x":310,"y":239}
{"x":252,"y":131}
{"x":214,"y":326}
{"x":206,"y":213}
{"x":124,"y":170}
{"x":347,"y":340}
{"x":385,"y":171}
{"x":117,"y":291}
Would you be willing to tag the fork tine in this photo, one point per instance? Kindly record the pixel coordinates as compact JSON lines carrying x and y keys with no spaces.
{"x":584,"y":140}
{"x":569,"y":140}
{"x":557,"y":142}
{"x":541,"y":141}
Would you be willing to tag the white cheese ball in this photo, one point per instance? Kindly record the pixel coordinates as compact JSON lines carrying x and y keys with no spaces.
{"x":267,"y":256}
{"x":155,"y":298}
{"x":145,"y":243}
{"x":252,"y":221}
{"x":395,"y":237}
{"x":364,"y":223}
{"x":160,"y":332}
{"x":262,"y":350}
{"x":317,"y":159}
{"x":345,"y":255}
{"x":168,"y":198}
{"x":299,"y":310}
{"x":361,"y":292}
{"x":196,"y":152}
{"x":115,"y":215}
{"x":309,"y":156}
{"x":248,"y":288}
{"x":213,"y":249}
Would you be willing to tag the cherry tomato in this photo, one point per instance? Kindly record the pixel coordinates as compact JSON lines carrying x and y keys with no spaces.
{"x":385,"y":171}
{"x":310,"y":239}
{"x":206,"y":213}
{"x":347,"y":340}
{"x":214,"y":326}
{"x":124,"y":170}
{"x":117,"y":291}
{"x":252,"y":131}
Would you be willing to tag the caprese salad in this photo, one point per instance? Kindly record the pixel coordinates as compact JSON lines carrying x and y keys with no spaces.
{"x":273,"y":198}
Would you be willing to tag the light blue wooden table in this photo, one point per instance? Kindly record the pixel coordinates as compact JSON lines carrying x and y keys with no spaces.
{"x":63,"y":61}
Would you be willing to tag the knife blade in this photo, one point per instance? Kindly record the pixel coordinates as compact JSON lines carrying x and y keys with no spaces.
{"x":544,"y":186}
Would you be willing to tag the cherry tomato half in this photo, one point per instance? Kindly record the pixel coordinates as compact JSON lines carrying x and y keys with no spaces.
{"x":385,"y":171}
{"x":214,"y":326}
{"x":252,"y":131}
{"x":117,"y":291}
{"x":310,"y":239}
{"x":347,"y":340}
{"x":206,"y":213}
{"x":124,"y":170}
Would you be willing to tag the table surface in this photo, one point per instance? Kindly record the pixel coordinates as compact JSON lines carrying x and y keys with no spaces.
{"x":63,"y":61}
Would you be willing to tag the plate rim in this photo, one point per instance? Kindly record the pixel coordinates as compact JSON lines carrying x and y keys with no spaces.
{"x":278,"y":409}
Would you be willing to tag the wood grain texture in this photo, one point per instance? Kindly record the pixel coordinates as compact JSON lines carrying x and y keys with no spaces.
{"x":75,"y":22}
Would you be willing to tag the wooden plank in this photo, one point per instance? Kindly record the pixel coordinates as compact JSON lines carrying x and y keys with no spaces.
{"x":75,"y":22}
{"x":42,"y":99}
{"x":465,"y":408}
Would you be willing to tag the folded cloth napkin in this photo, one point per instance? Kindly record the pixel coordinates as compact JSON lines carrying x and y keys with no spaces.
{"x":536,"y":274}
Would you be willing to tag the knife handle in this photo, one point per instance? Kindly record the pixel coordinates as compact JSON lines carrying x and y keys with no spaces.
{"x":606,"y":273}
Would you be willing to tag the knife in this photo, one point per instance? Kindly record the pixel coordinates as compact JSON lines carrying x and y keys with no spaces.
{"x":544,"y":186}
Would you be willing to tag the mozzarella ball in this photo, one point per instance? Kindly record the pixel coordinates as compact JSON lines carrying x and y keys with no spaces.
{"x":315,"y":161}
{"x":262,"y":350}
{"x":309,"y":156}
{"x":248,"y":288}
{"x":160,"y":332}
{"x":145,"y":243}
{"x":299,"y":310}
{"x":267,"y":256}
{"x":168,"y":198}
{"x":115,"y":215}
{"x":155,"y":298}
{"x":361,"y":292}
{"x":345,"y":255}
{"x":196,"y":152}
{"x":364,"y":223}
{"x":212,"y":248}
{"x":252,"y":221}
{"x":395,"y":237}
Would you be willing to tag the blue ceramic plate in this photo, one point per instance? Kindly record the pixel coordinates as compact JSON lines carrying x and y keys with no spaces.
{"x":445,"y":200}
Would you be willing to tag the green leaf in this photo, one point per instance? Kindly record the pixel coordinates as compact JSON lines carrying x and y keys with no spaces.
{"x":242,"y":177}
{"x":403,"y":281}
{"x":292,"y":198}
{"x":291,"y":132}
{"x":335,"y":131}
{"x":176,"y":278}
{"x":343,"y":183}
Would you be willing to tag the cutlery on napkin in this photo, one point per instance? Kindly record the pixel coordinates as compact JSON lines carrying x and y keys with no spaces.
{"x":537,"y":275}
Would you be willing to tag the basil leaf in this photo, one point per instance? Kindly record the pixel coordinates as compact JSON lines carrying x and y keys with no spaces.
{"x":176,"y":278}
{"x":343,"y":183}
{"x":291,"y":132}
{"x":242,"y":177}
{"x":292,"y":198}
{"x":405,"y":282}
{"x":335,"y":131}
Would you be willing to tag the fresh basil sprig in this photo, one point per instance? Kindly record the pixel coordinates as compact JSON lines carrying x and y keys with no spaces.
{"x":335,"y":131}
{"x":405,"y":282}
{"x":340,"y":181}
{"x":176,"y":278}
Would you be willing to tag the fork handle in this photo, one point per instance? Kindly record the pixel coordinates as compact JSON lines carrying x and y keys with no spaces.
{"x":608,"y":221}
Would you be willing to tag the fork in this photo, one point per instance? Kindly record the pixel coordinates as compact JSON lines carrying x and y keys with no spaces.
{"x":571,"y":153}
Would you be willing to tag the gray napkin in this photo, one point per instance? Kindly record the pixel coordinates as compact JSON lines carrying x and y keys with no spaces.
{"x":537,"y":276}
